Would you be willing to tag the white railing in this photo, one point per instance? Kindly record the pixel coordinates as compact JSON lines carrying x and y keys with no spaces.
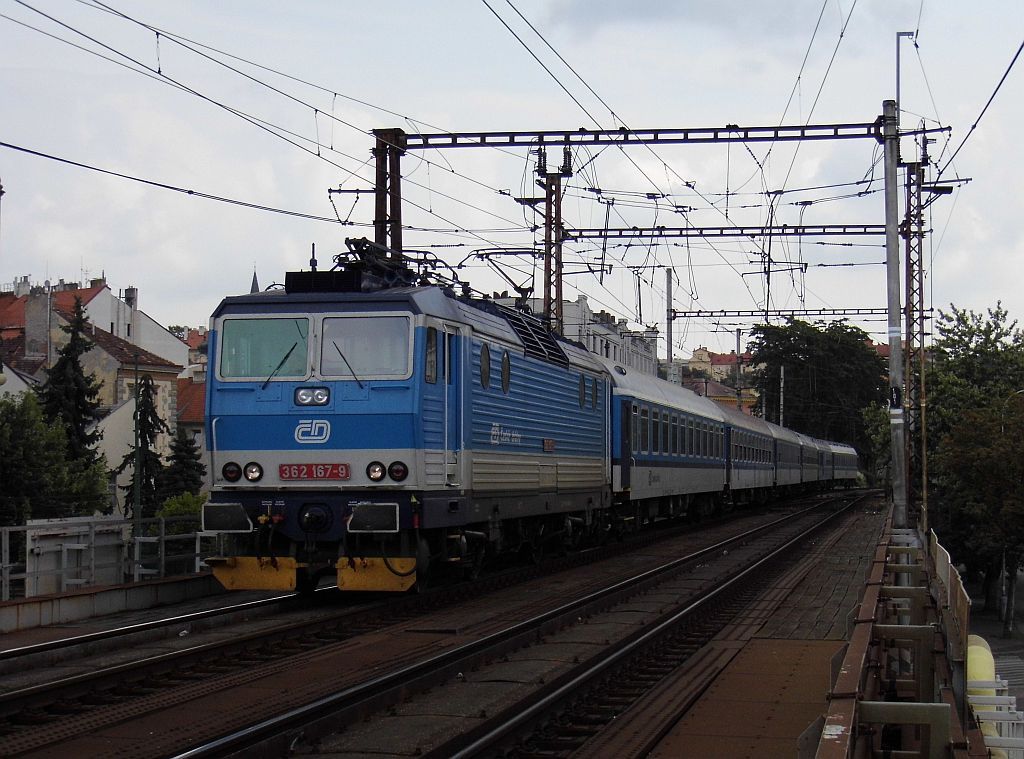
{"x":44,"y":557}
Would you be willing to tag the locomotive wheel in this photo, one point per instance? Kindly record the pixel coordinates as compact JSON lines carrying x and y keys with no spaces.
{"x":475,"y":562}
{"x":305,"y":583}
{"x":422,"y":565}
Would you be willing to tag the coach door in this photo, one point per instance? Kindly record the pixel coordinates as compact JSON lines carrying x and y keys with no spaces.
{"x":626,"y":445}
{"x":453,"y":405}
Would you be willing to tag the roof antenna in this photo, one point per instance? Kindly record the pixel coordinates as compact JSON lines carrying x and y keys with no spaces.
{"x":312,"y":259}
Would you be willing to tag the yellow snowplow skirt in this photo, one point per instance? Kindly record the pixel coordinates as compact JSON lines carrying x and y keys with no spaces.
{"x":373,"y":574}
{"x":252,"y":573}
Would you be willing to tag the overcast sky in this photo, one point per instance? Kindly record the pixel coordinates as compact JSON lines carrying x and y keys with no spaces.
{"x":440,"y":66}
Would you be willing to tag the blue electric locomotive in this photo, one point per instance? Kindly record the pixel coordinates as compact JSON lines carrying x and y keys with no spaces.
{"x":371,"y":423}
{"x":361,"y":423}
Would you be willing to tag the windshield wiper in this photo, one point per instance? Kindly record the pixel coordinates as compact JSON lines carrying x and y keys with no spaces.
{"x":279,"y":365}
{"x":350,"y":369}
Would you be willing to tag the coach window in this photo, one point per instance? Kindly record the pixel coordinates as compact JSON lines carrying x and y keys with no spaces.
{"x":506,"y":371}
{"x":430,"y":370}
{"x":665,"y":430}
{"x":689,"y":437}
{"x":675,"y":434}
{"x":635,"y":429}
{"x":645,"y":432}
{"x":485,"y":366}
{"x":655,"y":431}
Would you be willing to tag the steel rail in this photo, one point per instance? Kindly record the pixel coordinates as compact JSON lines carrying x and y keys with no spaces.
{"x":378,"y":691}
{"x":153,"y":624}
{"x":559,"y":691}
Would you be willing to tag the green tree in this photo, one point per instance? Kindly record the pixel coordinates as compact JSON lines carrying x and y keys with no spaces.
{"x":70,"y":400}
{"x":150,"y":471}
{"x":185,"y":471}
{"x":878,"y":453}
{"x":182,"y":505}
{"x":831,"y":375}
{"x":33,"y":469}
{"x":69,"y":396}
{"x":980,"y":466}
{"x":975,"y":371}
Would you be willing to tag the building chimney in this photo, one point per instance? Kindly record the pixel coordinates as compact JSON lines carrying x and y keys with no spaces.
{"x":131,"y":296}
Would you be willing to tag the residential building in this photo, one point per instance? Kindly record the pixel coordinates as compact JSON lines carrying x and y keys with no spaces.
{"x":118,"y":315}
{"x":718,"y":366}
{"x":31,"y":334}
{"x":723,"y":394}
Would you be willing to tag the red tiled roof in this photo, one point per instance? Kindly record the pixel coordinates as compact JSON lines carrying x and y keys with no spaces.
{"x":124,"y":352}
{"x":729,"y":359}
{"x":191,"y":400}
{"x":65,"y":299}
{"x":12,"y":310}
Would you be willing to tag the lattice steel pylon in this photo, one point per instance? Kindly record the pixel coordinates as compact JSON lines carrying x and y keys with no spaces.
{"x":913,"y":233}
{"x":554,"y":235}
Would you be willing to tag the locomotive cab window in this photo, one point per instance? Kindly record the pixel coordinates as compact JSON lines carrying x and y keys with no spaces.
{"x":361,"y":347}
{"x":264,"y":349}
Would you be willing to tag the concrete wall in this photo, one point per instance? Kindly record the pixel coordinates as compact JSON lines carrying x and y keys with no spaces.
{"x":85,"y":604}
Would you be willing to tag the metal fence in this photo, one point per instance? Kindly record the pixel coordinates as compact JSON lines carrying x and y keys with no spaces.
{"x":50,"y":556}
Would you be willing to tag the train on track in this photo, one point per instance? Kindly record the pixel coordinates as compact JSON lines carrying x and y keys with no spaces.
{"x":376,"y":423}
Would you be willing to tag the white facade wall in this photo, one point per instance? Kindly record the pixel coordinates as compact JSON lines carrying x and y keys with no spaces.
{"x":110,"y":313}
{"x":118,"y":430}
{"x":13,"y":383}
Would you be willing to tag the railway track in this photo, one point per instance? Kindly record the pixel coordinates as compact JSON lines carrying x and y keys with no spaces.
{"x":370,"y":656}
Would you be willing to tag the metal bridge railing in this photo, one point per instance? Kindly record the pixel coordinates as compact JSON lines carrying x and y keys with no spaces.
{"x":45,"y":557}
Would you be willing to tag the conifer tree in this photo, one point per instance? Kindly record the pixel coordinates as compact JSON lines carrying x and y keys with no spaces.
{"x":71,"y":397}
{"x":70,"y":400}
{"x":150,"y":466}
{"x":185,"y":471}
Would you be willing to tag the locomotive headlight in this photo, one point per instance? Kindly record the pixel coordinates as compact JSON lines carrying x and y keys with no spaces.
{"x":232,"y":472}
{"x":253,"y":472}
{"x":312,"y":396}
{"x":398,"y":471}
{"x":375,"y":471}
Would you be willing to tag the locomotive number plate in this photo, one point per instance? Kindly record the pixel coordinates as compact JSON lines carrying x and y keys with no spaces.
{"x":314,"y":471}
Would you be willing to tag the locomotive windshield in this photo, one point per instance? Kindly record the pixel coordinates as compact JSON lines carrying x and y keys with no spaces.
{"x":264,"y":349}
{"x":365,"y":347}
